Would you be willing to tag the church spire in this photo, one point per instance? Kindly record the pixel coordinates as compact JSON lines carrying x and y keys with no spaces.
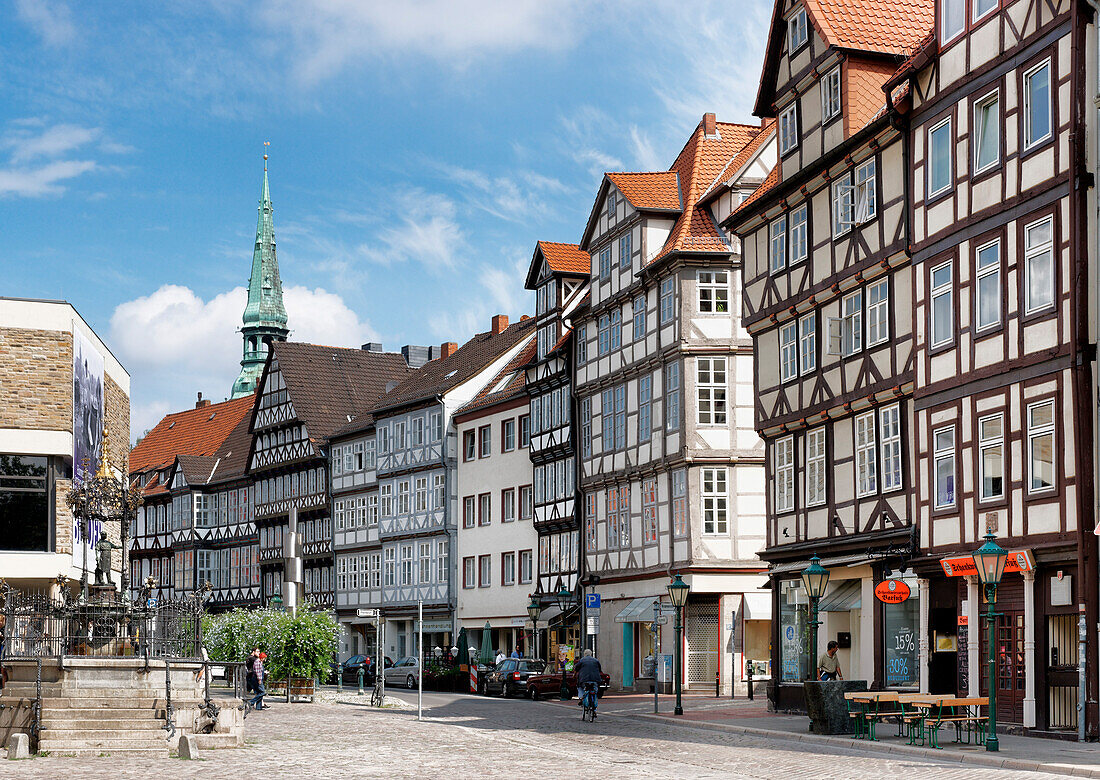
{"x":264,"y":314}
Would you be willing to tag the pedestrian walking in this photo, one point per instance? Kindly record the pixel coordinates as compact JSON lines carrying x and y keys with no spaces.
{"x":828,"y":666}
{"x":254,"y":666}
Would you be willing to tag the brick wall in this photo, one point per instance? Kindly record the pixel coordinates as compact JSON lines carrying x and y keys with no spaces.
{"x":36,"y":379}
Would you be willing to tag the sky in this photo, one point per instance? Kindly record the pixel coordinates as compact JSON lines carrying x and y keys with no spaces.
{"x":418,"y":151}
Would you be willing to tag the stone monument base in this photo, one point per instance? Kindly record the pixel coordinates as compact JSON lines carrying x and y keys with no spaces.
{"x":826,"y":706}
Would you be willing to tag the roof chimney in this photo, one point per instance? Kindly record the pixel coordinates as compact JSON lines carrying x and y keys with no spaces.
{"x":199,"y":404}
{"x":710,"y":126}
{"x":416,"y":356}
{"x":373,"y":346}
{"x":447,"y":348}
{"x":500,"y":324}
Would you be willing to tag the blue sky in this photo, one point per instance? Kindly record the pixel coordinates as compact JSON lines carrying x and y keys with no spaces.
{"x":418,"y":150}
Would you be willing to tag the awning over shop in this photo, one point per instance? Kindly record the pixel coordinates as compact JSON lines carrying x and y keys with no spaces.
{"x":756,"y":606}
{"x":637,"y":611}
{"x":843,"y":560}
{"x":842,"y":596}
{"x":549,"y":615}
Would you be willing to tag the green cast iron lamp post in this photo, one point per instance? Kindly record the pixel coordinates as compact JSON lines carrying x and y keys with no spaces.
{"x":564,"y":597}
{"x":678,"y":593}
{"x":534,"y":609}
{"x":815,"y":578}
{"x":990,"y":561}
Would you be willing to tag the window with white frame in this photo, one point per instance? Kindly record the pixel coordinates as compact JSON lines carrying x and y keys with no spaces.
{"x":788,"y":128}
{"x":1040,"y":446}
{"x":715,"y":502}
{"x":1038,"y":126}
{"x":952,"y":19}
{"x":1039,"y":264}
{"x":582,"y":345}
{"x":784,"y":474}
{"x":525,"y":561}
{"x":830,"y":94}
{"x":815,"y":467}
{"x":942,"y":310}
{"x":525,"y":502}
{"x":807,"y":343}
{"x":417,"y":431}
{"x":866,"y":193}
{"x":469,"y":576}
{"x":714,"y":292}
{"x":987,"y":131}
{"x":649,"y":511}
{"x":991,"y":457}
{"x":586,"y":427}
{"x":442,"y":567}
{"x":939,"y":157}
{"x":889,"y":431}
{"x":485,"y":509}
{"x":987,"y":303}
{"x":437,"y":426}
{"x":613,"y":518}
{"x":943,"y":455}
{"x":484,"y":571}
{"x":421,"y":494}
{"x":668,"y":298}
{"x":866,"y":456}
{"x":983,"y":7}
{"x":798,"y":31}
{"x":612,"y":203}
{"x":605,"y":263}
{"x":798,"y":247}
{"x":508,"y":505}
{"x":372,"y":510}
{"x":404,"y":492}
{"x":469,"y":512}
{"x":639,"y":317}
{"x":679,"y":503}
{"x":645,"y":407}
{"x":508,"y":568}
{"x":777,"y":245}
{"x":508,"y":435}
{"x":385,"y":493}
{"x":389,"y":568}
{"x":788,"y":351}
{"x":672,"y":397}
{"x":620,"y":416}
{"x":711,"y":385}
{"x":843,"y":204}
{"x":616,"y":328}
{"x":624,"y":250}
{"x":852,"y":337}
{"x":878,"y":312}
{"x":425,"y":568}
{"x":406,"y":564}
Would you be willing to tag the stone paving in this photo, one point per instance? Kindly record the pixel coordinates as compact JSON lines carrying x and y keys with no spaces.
{"x":464,"y":736}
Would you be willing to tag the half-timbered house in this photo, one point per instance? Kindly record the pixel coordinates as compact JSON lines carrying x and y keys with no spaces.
{"x":827,"y":301}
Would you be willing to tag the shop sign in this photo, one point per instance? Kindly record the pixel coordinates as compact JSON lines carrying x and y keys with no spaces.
{"x":892,"y":591}
{"x":964,"y":620}
{"x":1018,"y":561}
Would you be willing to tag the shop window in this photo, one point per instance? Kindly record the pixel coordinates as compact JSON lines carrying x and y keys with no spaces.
{"x":24,"y":503}
{"x":793,"y":632}
{"x":902,"y":627}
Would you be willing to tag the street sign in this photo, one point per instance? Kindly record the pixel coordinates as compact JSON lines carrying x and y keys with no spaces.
{"x":668,"y":609}
{"x":594,"y":624}
{"x":366,"y":613}
{"x":592,"y":600}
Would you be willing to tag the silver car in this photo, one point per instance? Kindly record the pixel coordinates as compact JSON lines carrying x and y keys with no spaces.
{"x":405,"y":672}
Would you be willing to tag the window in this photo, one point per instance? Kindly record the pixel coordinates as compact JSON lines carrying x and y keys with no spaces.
{"x":788,"y":351}
{"x":714,"y":292}
{"x":484,"y":571}
{"x":385,"y":493}
{"x":807,"y":343}
{"x":591,"y":502}
{"x":403,"y":494}
{"x":508,"y":505}
{"x":798,"y":31}
{"x":418,"y":431}
{"x":1037,"y":105}
{"x":525,"y":502}
{"x":679,"y":503}
{"x":815,"y":467}
{"x":784,"y":474}
{"x":611,"y":203}
{"x":843,"y":204}
{"x":830,"y":94}
{"x":952,"y":18}
{"x":616,"y":328}
{"x":508,"y":435}
{"x":439,"y":500}
{"x":586,"y":427}
{"x":406,"y":564}
{"x":649,"y":511}
{"x":437,"y":426}
{"x":982,"y":7}
{"x":624,"y":251}
{"x":624,"y":516}
{"x":777,"y":245}
{"x":372,"y":511}
{"x":605,"y":263}
{"x":866,"y":478}
{"x":603,"y":343}
{"x":987,"y":132}
{"x":939,"y":158}
{"x":524,"y":431}
{"x":853,"y":323}
{"x":987,"y":304}
{"x":788,"y":128}
{"x":639,"y":317}
{"x":991,"y":456}
{"x":442,"y":572}
{"x":1040,"y":446}
{"x":384,"y":439}
{"x":866,"y":195}
{"x":468,"y":565}
{"x":508,"y":568}
{"x":797,"y":235}
{"x":944,"y":462}
{"x":469,"y":446}
{"x":942,"y":310}
{"x":890,"y":442}
{"x":469,"y":510}
{"x":390,"y":553}
{"x":1039,"y":264}
{"x":524,"y":566}
{"x":399,"y":435}
{"x":672,"y":397}
{"x":668,"y":294}
{"x":582,"y":345}
{"x":620,"y":416}
{"x":645,"y":407}
{"x":712,"y":390}
{"x":421,"y":494}
{"x":878,"y":312}
{"x":485,"y":441}
{"x":368,"y":454}
{"x":425,"y":569}
{"x":485,"y":509}
{"x":613,"y":518}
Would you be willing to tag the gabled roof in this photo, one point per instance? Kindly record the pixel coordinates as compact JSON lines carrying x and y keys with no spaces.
{"x":199,"y":431}
{"x":327,"y":385}
{"x":439,"y":376}
{"x":743,"y":158}
{"x":196,"y":468}
{"x":649,"y":191}
{"x":565,"y":259}
{"x":516,"y":384}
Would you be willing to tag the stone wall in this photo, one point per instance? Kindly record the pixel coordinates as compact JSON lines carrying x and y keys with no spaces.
{"x":36,"y":379}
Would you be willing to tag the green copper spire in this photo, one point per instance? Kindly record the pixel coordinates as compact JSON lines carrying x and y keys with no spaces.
{"x":264,"y":314}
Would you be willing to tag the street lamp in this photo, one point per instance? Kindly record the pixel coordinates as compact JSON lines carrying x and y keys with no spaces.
{"x":534,"y":609}
{"x":275,"y":602}
{"x":678,"y":593}
{"x":564,"y":597}
{"x":990,"y":561}
{"x":815,"y":578}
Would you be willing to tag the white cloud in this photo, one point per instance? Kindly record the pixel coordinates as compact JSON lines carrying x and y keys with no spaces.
{"x":330,"y":34}
{"x":518,"y":198}
{"x":51,"y":142}
{"x":29,"y":142}
{"x":43,"y":180}
{"x":51,"y":20}
{"x":499,"y":290}
{"x":424,"y":229}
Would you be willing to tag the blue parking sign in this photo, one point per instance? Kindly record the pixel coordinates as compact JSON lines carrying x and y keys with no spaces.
{"x":592,"y":600}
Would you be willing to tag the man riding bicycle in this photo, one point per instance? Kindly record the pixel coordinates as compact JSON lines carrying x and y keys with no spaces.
{"x":589,"y":676}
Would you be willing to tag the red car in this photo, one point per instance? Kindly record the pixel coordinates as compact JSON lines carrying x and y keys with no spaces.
{"x":549,"y":684}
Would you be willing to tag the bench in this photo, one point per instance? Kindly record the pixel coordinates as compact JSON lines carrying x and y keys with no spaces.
{"x":867,"y":708}
{"x":915,"y":709}
{"x":962,"y":713}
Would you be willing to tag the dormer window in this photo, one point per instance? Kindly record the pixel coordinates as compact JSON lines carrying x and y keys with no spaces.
{"x":798,"y":31}
{"x":612,"y":204}
{"x":788,"y":128}
{"x":830,"y":94}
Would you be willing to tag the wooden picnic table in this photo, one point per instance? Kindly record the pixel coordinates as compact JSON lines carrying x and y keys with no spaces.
{"x":931,"y":712}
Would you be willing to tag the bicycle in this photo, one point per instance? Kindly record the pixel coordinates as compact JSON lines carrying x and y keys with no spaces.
{"x":589,"y":699}
{"x":378,"y":695}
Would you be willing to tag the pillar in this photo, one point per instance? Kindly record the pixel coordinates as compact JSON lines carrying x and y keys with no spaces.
{"x":924,"y":605}
{"x":1029,"y":649}
{"x":866,"y":631}
{"x":974,"y":635}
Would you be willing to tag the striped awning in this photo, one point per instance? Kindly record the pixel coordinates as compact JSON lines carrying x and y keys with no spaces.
{"x":842,"y":596}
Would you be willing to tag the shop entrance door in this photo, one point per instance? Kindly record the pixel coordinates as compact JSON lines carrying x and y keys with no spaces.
{"x":702,"y":643}
{"x":1011,"y":669}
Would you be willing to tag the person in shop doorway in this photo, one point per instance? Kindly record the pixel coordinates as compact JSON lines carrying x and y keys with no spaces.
{"x":500,"y":656}
{"x":515,"y":653}
{"x":828,"y":666}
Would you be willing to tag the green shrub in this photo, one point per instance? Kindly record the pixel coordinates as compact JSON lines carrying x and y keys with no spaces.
{"x":298,"y":646}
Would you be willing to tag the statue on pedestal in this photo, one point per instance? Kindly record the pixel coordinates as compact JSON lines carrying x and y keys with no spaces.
{"x":103,"y":550}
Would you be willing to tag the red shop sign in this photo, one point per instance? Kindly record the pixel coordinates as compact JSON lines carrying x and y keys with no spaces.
{"x":892,"y":591}
{"x":1018,"y":561}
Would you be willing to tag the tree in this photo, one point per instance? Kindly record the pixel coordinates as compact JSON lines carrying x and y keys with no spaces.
{"x":297,"y":646}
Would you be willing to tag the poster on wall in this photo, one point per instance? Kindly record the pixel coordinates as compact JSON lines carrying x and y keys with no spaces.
{"x":88,"y":415}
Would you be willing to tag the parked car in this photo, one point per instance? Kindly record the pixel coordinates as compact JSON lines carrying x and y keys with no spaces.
{"x":350,"y":669}
{"x":510,"y":676}
{"x":549,"y":684}
{"x":404,"y":672}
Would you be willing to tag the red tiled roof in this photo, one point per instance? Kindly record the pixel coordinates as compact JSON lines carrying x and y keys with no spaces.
{"x":193,"y":432}
{"x":891,"y":27}
{"x":769,"y":183}
{"x":659,"y":190}
{"x":566,"y":258}
{"x":767,"y":132}
{"x":865,"y":97}
{"x":490,"y":396}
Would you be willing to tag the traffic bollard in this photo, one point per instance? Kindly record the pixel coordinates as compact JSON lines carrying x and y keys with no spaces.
{"x":750,"y":680}
{"x":717,"y":685}
{"x":362,"y":672}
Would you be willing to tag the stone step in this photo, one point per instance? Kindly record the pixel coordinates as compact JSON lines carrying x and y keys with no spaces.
{"x":158,"y":752}
{"x":217,"y":741}
{"x":96,"y":713}
{"x":96,"y":735}
{"x":62,"y":722}
{"x":62,"y":744}
{"x":114,"y":702}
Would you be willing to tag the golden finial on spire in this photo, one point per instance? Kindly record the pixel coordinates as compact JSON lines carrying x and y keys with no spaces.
{"x":104,"y":469}
{"x":266,"y":145}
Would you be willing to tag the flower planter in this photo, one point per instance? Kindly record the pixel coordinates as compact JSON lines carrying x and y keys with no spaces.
{"x":301,"y":689}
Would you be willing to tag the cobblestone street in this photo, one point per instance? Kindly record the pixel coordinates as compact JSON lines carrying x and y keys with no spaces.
{"x":465,"y":736}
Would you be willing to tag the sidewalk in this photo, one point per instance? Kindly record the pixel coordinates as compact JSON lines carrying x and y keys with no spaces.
{"x":752,"y":718}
